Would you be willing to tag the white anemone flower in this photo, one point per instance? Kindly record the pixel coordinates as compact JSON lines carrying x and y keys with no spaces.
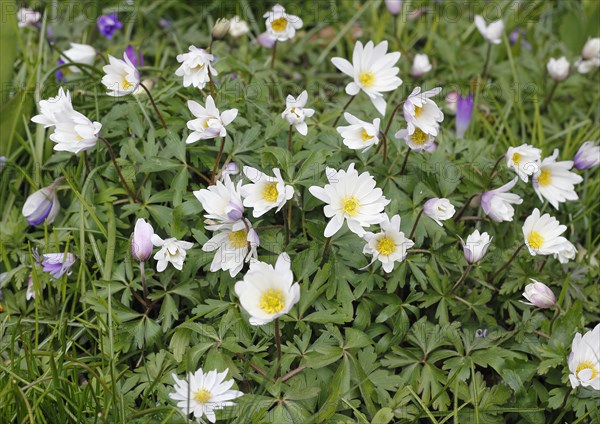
{"x":352,"y":198}
{"x":222,"y":202}
{"x":524,"y":159}
{"x":492,"y":32}
{"x":172,"y":250}
{"x":555,"y":182}
{"x":421,"y":65}
{"x":196,"y":68}
{"x":476,"y":246}
{"x":265,"y":192}
{"x":75,"y":134}
{"x":388,"y":246}
{"x":584,"y":360}
{"x":542,"y":234}
{"x":235,"y":244}
{"x":55,"y":109}
{"x":359,"y":134}
{"x":567,"y":253}
{"x":268,"y":292}
{"x":238,"y":27}
{"x":418,"y":140}
{"x":79,"y":53}
{"x":497,"y":204}
{"x":122,"y":77}
{"x":373,"y":71}
{"x":209,"y":122}
{"x":295,"y":113}
{"x":590,"y":56}
{"x":422,"y":112}
{"x":204,"y":393}
{"x":280,"y":25}
{"x":439,"y":209}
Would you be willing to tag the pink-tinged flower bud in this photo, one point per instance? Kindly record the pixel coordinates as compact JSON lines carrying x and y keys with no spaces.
{"x":476,"y":246}
{"x":266,"y":40}
{"x":438,"y":209}
{"x":394,"y":6}
{"x":587,"y":156}
{"x":42,"y":205}
{"x":141,"y":244}
{"x":539,"y":295}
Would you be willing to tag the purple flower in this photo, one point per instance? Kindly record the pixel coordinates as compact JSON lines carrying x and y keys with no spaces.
{"x":141,"y":245}
{"x":165,"y":23}
{"x":108,"y":24}
{"x":464,"y":111}
{"x":266,"y":40}
{"x":56,"y":264}
{"x":42,"y":205}
{"x":59,"y":73}
{"x":133,"y":57}
{"x":519,"y":34}
{"x":394,"y":6}
{"x":587,"y":156}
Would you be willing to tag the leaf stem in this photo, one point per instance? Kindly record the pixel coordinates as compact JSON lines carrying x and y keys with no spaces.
{"x":278,"y":345}
{"x":343,"y":110}
{"x":414,"y":227}
{"x":162,"y":120}
{"x":118,"y":169}
{"x":462,"y":278}
{"x":217,"y":160}
{"x":503,"y":267}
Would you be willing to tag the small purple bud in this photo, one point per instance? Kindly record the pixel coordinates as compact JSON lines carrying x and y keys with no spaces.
{"x":42,"y":205}
{"x":165,"y":23}
{"x":108,"y":24}
{"x":588,"y":156}
{"x":464,"y":111}
{"x":235,"y":213}
{"x":136,"y":60}
{"x":266,"y":40}
{"x":394,"y":6}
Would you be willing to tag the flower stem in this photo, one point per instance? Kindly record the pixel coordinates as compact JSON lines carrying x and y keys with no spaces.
{"x":550,"y":96}
{"x":86,"y":162}
{"x":211,"y":86}
{"x":118,"y":169}
{"x":288,"y":223}
{"x":493,"y":172}
{"x":162,"y":120}
{"x":293,"y":373}
{"x":278,"y":345}
{"x":143,"y":276}
{"x":405,"y":162}
{"x":503,"y":267}
{"x":414,"y":228}
{"x":343,"y":110}
{"x":325,"y":253}
{"x":464,"y":208}
{"x":255,"y":367}
{"x":290,"y":147}
{"x":389,"y":124}
{"x":385,"y":148}
{"x":273,"y":55}
{"x":487,"y":61}
{"x":556,"y":315}
{"x":217,"y":160}
{"x":462,"y":278}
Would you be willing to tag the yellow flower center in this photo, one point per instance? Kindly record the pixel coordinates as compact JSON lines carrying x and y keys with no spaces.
{"x":198,"y":67}
{"x":367,"y":79}
{"x":419,"y":137}
{"x":544,"y":178}
{"x":279,"y":25}
{"x":386,"y":246}
{"x":365,"y":136}
{"x":270,"y":192}
{"x":535,"y":240}
{"x":350,"y":205}
{"x":516,"y":158}
{"x":272,"y":301}
{"x":202,"y":396}
{"x":238,"y":239}
{"x":126,"y":84}
{"x":418,"y":111}
{"x":587,"y":365}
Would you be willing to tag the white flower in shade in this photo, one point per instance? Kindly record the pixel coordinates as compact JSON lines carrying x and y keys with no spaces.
{"x":359,"y":134}
{"x":422,"y":112}
{"x":220,"y":29}
{"x":122,"y":78}
{"x":539,"y":295}
{"x":373,"y":71}
{"x":54,"y":109}
{"x":221,"y":202}
{"x":352,"y":198}
{"x":42,"y":205}
{"x":196,"y":67}
{"x":558,"y":69}
{"x":75,"y":134}
{"x":204,"y":393}
{"x":590,"y":56}
{"x":280,"y":25}
{"x":497,"y":204}
{"x":584,"y":360}
{"x":209,"y":122}
{"x":588,"y":156}
{"x":567,"y":253}
{"x":476,"y":246}
{"x":420,"y":66}
{"x":268,"y":292}
{"x":172,"y":250}
{"x":235,"y":244}
{"x":266,"y":192}
{"x":524,"y":159}
{"x":388,"y":246}
{"x":492,"y":32}
{"x":542,"y":234}
{"x":295,"y":113}
{"x":554,"y":182}
{"x":439,"y":209}
{"x":238,"y":27}
{"x":79,"y":53}
{"x":418,"y":140}
{"x":27,"y":17}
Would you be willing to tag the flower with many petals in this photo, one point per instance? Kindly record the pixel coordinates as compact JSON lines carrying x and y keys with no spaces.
{"x":222,"y":202}
{"x":418,"y":140}
{"x":42,"y":205}
{"x":422,"y":112}
{"x":209,"y":122}
{"x":54,"y":109}
{"x":492,"y":32}
{"x":373,"y":71}
{"x":555,"y":182}
{"x":389,"y":245}
{"x":539,"y":294}
{"x":295,"y":113}
{"x":268,"y":292}
{"x":566,"y":253}
{"x":584,"y":360}
{"x":122,"y":78}
{"x":204,"y":393}
{"x":524,"y":159}
{"x":280,"y":25}
{"x":196,"y":68}
{"x":108,"y":24}
{"x":171,"y":250}
{"x":359,"y":135}
{"x":265,"y":192}
{"x":439,"y":209}
{"x":588,"y":156}
{"x":352,"y":198}
{"x":476,"y":246}
{"x":76,"y":133}
{"x":542,"y":234}
{"x":234,"y":244}
{"x":497,"y":204}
